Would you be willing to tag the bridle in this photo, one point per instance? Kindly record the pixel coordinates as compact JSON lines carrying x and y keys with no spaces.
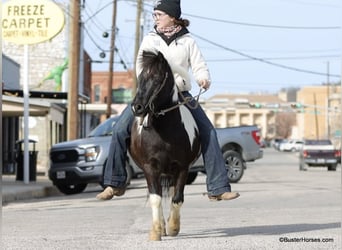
{"x":154,"y":95}
{"x":186,"y":100}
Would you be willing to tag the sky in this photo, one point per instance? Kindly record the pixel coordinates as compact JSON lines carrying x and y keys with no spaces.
{"x":258,"y":46}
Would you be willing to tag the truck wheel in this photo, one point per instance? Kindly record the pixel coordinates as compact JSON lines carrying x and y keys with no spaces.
{"x":332,"y":167}
{"x":234,"y":164}
{"x":71,"y":189}
{"x":191,"y":177}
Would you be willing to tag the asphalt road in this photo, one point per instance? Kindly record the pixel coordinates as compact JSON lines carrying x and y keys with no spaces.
{"x":279,"y":208}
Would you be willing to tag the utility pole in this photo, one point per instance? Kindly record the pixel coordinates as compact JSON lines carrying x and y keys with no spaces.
{"x":328,"y":103}
{"x":137,"y":42}
{"x":111,"y":62}
{"x":316,"y":116}
{"x":74,"y":55}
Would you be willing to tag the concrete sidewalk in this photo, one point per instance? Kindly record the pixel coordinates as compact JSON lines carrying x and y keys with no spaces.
{"x":13,"y":190}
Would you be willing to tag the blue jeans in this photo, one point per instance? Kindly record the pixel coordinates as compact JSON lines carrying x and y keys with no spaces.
{"x":217,"y":178}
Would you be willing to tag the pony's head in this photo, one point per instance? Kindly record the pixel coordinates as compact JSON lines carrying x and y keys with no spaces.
{"x":155,"y":85}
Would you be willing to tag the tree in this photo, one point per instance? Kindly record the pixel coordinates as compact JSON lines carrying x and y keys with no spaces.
{"x":284,"y":123}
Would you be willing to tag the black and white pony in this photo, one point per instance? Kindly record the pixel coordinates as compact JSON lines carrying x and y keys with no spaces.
{"x":164,"y":140}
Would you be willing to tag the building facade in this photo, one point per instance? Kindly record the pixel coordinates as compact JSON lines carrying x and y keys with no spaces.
{"x":316,"y":113}
{"x":47,"y":121}
{"x":238,"y":110}
{"x":319,"y":114}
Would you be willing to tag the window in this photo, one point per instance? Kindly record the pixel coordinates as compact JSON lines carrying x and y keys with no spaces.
{"x":122,"y":95}
{"x":97,"y":93}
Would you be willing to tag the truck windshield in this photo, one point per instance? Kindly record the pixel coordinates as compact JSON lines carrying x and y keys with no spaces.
{"x":105,"y":128}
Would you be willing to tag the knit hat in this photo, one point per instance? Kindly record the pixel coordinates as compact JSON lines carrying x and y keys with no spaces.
{"x":170,"y":7}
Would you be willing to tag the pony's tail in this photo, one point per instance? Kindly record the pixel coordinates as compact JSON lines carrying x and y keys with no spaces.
{"x":167,"y":186}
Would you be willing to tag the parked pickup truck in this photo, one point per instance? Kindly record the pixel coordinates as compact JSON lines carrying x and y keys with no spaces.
{"x":318,"y":153}
{"x":74,"y":164}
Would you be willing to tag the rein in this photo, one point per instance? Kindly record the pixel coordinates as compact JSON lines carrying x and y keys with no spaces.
{"x":185,"y":102}
{"x":155,"y":93}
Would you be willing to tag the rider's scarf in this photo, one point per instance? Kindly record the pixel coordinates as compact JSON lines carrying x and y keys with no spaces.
{"x":169,"y":31}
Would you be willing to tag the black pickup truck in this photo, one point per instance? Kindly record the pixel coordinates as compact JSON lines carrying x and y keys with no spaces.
{"x":318,"y":153}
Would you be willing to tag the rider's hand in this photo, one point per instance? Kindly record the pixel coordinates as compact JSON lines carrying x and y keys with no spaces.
{"x":205,"y":84}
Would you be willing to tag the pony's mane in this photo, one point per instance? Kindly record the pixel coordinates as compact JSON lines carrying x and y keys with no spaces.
{"x":157,"y":65}
{"x":151,"y":63}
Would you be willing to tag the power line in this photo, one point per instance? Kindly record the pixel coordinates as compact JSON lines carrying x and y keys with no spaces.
{"x":275,"y":58}
{"x":266,"y":25}
{"x":263,"y":60}
{"x":98,"y":11}
{"x":92,"y":39}
{"x":96,"y":24}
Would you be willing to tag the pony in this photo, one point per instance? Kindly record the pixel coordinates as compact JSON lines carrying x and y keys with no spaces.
{"x":164,"y":141}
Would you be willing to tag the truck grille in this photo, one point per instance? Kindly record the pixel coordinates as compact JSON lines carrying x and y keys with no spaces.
{"x":64,"y":156}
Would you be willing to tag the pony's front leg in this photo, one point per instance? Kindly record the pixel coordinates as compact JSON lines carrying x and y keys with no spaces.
{"x":176,"y":204}
{"x":158,"y":223}
{"x":173,"y":227}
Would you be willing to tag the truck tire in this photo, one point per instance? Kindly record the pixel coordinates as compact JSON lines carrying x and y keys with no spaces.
{"x":71,"y":189}
{"x":191,"y":177}
{"x":332,"y":167}
{"x":234,"y":164}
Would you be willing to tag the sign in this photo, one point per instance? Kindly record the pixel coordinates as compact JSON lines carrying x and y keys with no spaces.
{"x":31,"y":21}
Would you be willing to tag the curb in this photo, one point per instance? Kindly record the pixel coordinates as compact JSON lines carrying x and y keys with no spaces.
{"x":32,"y":193}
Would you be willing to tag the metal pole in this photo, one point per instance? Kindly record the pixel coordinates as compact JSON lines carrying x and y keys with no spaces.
{"x":111,"y":63}
{"x":137,"y":43}
{"x":328,"y":104}
{"x":74,"y":52}
{"x":26,"y":173}
{"x":316,"y":117}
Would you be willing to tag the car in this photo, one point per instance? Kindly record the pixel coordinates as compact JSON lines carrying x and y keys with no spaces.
{"x":275,"y":143}
{"x":318,"y":153}
{"x":291,"y":145}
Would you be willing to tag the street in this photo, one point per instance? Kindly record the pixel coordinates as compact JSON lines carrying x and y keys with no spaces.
{"x":280,"y":208}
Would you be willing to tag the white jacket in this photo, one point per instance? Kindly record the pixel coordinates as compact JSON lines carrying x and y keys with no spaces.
{"x":182,"y":54}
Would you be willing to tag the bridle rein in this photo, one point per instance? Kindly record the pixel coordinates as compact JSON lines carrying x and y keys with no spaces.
{"x":185,"y":101}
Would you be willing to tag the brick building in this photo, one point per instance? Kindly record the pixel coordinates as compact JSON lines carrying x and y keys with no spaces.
{"x":122,"y":84}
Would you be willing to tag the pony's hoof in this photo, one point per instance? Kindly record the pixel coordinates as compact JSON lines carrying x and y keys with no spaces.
{"x":173,"y":226}
{"x":173,"y":232}
{"x":155,"y":236}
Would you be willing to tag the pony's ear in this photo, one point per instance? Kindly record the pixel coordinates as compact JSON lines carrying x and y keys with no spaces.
{"x":160,"y":56}
{"x":146,"y":53}
{"x":150,"y":53}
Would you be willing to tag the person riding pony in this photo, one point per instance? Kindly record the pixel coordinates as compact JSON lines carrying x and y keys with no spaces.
{"x":172,"y":38}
